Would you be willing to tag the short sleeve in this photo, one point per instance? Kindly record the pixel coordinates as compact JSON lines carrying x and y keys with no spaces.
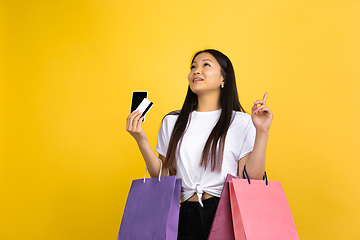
{"x":249,"y":140}
{"x":164,"y":134}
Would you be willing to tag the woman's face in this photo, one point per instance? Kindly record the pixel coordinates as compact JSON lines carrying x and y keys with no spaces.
{"x":205,"y":75}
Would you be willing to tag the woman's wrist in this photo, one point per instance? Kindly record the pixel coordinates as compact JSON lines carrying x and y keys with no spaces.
{"x":262,"y":133}
{"x":142,"y":140}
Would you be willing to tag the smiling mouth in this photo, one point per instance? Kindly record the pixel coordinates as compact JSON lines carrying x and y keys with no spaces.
{"x":197,"y":80}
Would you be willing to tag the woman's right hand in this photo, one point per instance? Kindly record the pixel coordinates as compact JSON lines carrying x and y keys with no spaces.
{"x":133,"y":126}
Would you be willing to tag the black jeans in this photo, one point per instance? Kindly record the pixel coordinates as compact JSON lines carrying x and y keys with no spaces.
{"x":195,"y":221}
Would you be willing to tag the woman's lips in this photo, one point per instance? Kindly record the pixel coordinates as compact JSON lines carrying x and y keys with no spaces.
{"x":197,"y":79}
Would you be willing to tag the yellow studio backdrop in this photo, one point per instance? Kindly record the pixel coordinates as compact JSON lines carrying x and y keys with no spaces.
{"x":68,"y":69}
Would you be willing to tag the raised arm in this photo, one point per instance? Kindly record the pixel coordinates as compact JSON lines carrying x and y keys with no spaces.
{"x":255,"y":162}
{"x":134,"y":127}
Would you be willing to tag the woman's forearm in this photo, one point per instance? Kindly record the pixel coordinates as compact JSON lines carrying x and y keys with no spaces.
{"x":262,"y":117}
{"x":151,"y":160}
{"x":256,"y":164}
{"x":133,"y":126}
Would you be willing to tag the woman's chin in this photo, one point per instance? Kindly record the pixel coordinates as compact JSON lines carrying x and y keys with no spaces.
{"x":195,"y":89}
{"x":200,"y":90}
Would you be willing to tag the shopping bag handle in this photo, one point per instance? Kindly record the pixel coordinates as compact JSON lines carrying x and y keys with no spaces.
{"x":246,"y":176}
{"x":161,"y":166}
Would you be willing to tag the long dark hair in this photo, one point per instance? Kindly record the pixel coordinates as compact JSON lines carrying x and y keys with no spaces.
{"x":229,"y":100}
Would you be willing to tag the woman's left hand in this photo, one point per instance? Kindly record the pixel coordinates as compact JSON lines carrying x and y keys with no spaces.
{"x":261,"y":115}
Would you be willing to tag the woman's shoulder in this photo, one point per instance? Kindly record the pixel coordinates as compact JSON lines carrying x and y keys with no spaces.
{"x":241,"y":118}
{"x":241,"y":115}
{"x":173,"y":113}
{"x":171,"y":116}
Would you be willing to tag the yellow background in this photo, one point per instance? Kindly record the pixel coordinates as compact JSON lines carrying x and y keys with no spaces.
{"x":68,"y":69}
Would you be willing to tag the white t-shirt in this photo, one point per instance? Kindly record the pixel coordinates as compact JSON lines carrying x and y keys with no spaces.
{"x":239,"y":142}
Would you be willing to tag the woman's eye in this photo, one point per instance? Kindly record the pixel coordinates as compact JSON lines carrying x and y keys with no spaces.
{"x":206,"y":64}
{"x":192,"y":67}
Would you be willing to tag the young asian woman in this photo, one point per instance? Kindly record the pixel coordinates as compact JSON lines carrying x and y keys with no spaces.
{"x":208,"y":138}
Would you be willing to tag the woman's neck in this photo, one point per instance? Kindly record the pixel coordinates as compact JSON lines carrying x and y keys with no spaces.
{"x":208,"y":103}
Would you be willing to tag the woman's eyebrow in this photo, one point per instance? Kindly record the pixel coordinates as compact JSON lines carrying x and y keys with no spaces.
{"x":203,"y":60}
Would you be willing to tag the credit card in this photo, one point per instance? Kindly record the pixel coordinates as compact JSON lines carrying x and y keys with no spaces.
{"x":144,"y":106}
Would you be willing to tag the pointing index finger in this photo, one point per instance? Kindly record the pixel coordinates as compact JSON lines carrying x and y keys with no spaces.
{"x":265,"y":96}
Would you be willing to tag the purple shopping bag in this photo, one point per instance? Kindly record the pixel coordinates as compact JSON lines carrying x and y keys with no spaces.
{"x":152,"y":210}
{"x":222,"y":226}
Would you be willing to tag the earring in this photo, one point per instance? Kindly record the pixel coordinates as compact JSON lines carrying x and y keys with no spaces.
{"x":222,"y":86}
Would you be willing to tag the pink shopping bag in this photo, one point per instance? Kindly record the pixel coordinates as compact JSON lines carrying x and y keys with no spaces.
{"x":222,"y":226}
{"x":260,"y":210}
